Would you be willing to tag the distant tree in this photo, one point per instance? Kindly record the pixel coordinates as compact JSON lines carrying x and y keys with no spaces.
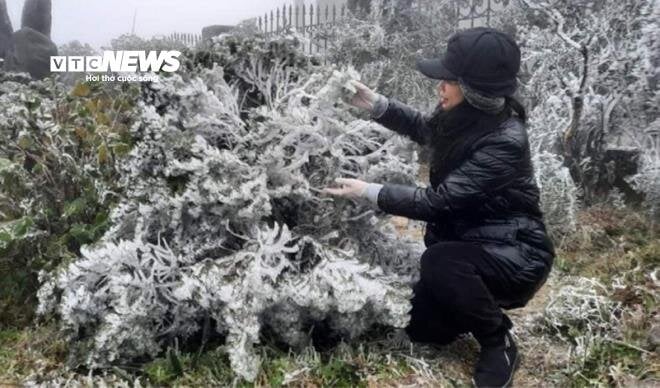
{"x":587,"y":64}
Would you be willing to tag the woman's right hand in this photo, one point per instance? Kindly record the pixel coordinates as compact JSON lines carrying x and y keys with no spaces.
{"x":365,"y":98}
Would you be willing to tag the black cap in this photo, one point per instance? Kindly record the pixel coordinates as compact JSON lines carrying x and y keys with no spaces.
{"x":484,"y":58}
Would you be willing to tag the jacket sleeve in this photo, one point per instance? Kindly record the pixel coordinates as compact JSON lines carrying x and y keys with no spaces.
{"x":492,"y":166}
{"x":406,"y":121}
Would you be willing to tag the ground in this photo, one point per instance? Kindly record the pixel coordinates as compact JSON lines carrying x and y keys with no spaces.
{"x":609,"y":244}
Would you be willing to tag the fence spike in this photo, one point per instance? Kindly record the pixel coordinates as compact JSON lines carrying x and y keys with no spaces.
{"x":284,"y":16}
{"x":463,"y":11}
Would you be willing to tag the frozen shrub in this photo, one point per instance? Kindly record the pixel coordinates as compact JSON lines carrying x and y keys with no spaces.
{"x":221,"y":218}
{"x":647,"y":179}
{"x":580,"y":305}
{"x":558,"y":193}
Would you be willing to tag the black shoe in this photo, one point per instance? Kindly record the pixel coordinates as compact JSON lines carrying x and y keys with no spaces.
{"x":497,"y":364}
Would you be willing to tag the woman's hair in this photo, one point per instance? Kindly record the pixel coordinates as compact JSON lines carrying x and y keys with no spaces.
{"x":516,"y":107}
{"x":455,"y":130}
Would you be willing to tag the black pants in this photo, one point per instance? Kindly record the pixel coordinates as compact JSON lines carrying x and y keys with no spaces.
{"x":457,"y":293}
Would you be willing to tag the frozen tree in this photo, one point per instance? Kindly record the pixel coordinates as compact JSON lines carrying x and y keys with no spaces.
{"x":587,"y":71}
{"x":222,"y":222}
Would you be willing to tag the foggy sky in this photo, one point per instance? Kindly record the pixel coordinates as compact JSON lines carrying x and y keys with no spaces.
{"x":98,"y":21}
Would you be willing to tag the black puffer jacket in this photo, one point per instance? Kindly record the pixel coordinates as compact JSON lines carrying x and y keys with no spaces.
{"x":491,"y":198}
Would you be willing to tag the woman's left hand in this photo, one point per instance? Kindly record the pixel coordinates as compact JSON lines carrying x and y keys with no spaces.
{"x":350,"y":188}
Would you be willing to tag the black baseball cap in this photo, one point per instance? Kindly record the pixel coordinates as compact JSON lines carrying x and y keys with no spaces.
{"x":486,"y":59}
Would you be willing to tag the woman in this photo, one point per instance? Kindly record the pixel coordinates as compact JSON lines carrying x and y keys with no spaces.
{"x":487,"y":246}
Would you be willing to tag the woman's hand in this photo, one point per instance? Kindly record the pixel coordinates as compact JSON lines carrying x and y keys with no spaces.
{"x":350,"y":188}
{"x":365,"y":98}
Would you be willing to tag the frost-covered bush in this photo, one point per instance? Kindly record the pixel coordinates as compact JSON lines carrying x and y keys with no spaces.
{"x":647,"y":179}
{"x":58,"y":151}
{"x":134,"y":42}
{"x":76,"y":48}
{"x":558,"y":193}
{"x":601,"y":326}
{"x":222,"y":218}
{"x":581,"y":304}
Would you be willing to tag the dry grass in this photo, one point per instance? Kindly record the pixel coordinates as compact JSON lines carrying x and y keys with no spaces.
{"x":37,"y":349}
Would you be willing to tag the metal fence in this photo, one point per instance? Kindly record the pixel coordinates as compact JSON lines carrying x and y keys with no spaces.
{"x":187,"y":39}
{"x":302,"y":18}
{"x":308,"y":19}
{"x":472,"y":13}
{"x":468,"y":13}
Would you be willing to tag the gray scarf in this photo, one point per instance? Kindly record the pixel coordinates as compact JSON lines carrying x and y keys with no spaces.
{"x":490,"y":105}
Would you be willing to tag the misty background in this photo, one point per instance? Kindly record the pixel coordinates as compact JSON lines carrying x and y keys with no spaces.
{"x":97,"y":22}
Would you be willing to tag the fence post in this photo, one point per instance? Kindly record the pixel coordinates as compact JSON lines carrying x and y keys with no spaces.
{"x":277,"y":20}
{"x":309,"y":23}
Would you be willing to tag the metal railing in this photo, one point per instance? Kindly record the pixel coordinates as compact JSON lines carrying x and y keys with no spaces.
{"x":468,"y":13}
{"x":301,"y":18}
{"x":306,"y":19}
{"x":187,"y":39}
{"x":472,"y":13}
{"x":309,"y":18}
